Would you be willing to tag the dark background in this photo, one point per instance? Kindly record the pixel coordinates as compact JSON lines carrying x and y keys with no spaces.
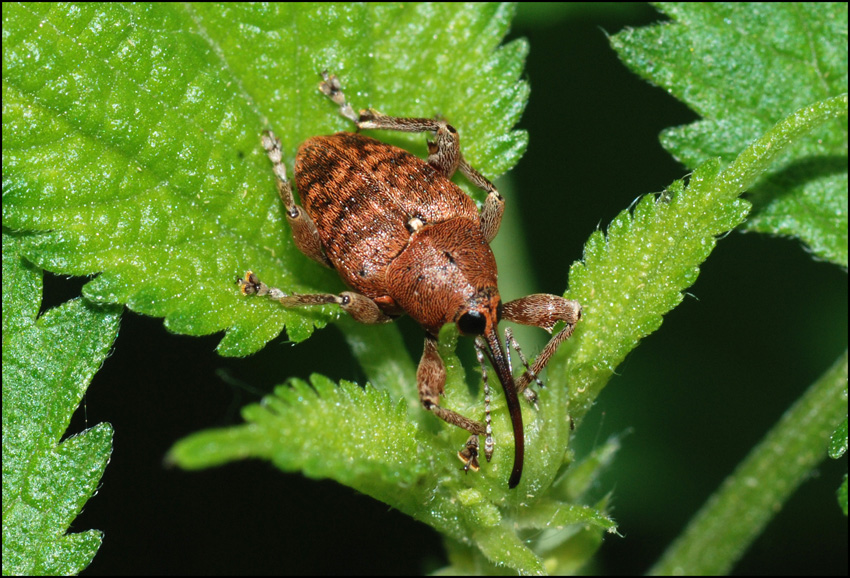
{"x":765,"y":320}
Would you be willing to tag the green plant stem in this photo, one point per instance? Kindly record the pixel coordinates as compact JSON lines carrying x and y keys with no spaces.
{"x":736,"y":514}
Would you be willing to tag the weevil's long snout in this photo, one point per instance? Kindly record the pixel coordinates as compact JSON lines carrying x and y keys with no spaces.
{"x":500,"y":364}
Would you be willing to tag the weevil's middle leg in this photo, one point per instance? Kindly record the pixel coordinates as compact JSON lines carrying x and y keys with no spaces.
{"x":443,"y":152}
{"x":544,"y":311}
{"x":360,"y":307}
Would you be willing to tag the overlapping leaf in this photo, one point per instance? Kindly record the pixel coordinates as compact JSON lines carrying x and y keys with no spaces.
{"x":47,"y":365}
{"x":742,"y":67}
{"x":363,"y":439}
{"x":131,"y":137}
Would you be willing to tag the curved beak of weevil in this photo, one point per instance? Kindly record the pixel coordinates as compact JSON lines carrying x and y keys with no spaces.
{"x":500,"y":363}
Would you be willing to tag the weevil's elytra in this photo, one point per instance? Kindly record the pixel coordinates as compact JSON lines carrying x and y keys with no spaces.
{"x":407,"y":240}
{"x":365,"y":224}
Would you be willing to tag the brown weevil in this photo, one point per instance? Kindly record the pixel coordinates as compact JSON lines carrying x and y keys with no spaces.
{"x":406,"y":239}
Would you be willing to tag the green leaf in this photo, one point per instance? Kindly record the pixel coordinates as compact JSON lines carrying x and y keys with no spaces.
{"x":743,"y":67}
{"x":48,"y":362}
{"x":635,"y":273}
{"x":841,"y":494}
{"x":132,"y":137}
{"x":376,"y":448}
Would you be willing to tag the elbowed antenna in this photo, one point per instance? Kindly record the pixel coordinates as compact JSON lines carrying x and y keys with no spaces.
{"x":499,"y":361}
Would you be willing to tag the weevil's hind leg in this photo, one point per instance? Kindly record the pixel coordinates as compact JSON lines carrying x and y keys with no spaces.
{"x":543,"y":311}
{"x":494,"y":205}
{"x":443,"y":152}
{"x":360,"y":307}
{"x":431,"y":380}
{"x":304,"y":231}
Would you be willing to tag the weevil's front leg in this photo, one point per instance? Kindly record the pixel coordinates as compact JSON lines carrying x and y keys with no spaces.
{"x":542,"y":310}
{"x":360,"y":307}
{"x":443,"y":153}
{"x":304,"y":231}
{"x":431,"y":380}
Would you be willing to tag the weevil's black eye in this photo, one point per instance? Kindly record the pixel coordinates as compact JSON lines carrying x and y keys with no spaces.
{"x":472,"y":323}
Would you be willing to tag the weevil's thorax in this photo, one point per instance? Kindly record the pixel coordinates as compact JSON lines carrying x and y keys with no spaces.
{"x":446,"y":271}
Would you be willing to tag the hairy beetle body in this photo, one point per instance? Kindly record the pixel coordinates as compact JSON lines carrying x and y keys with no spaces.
{"x":363,"y":195}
